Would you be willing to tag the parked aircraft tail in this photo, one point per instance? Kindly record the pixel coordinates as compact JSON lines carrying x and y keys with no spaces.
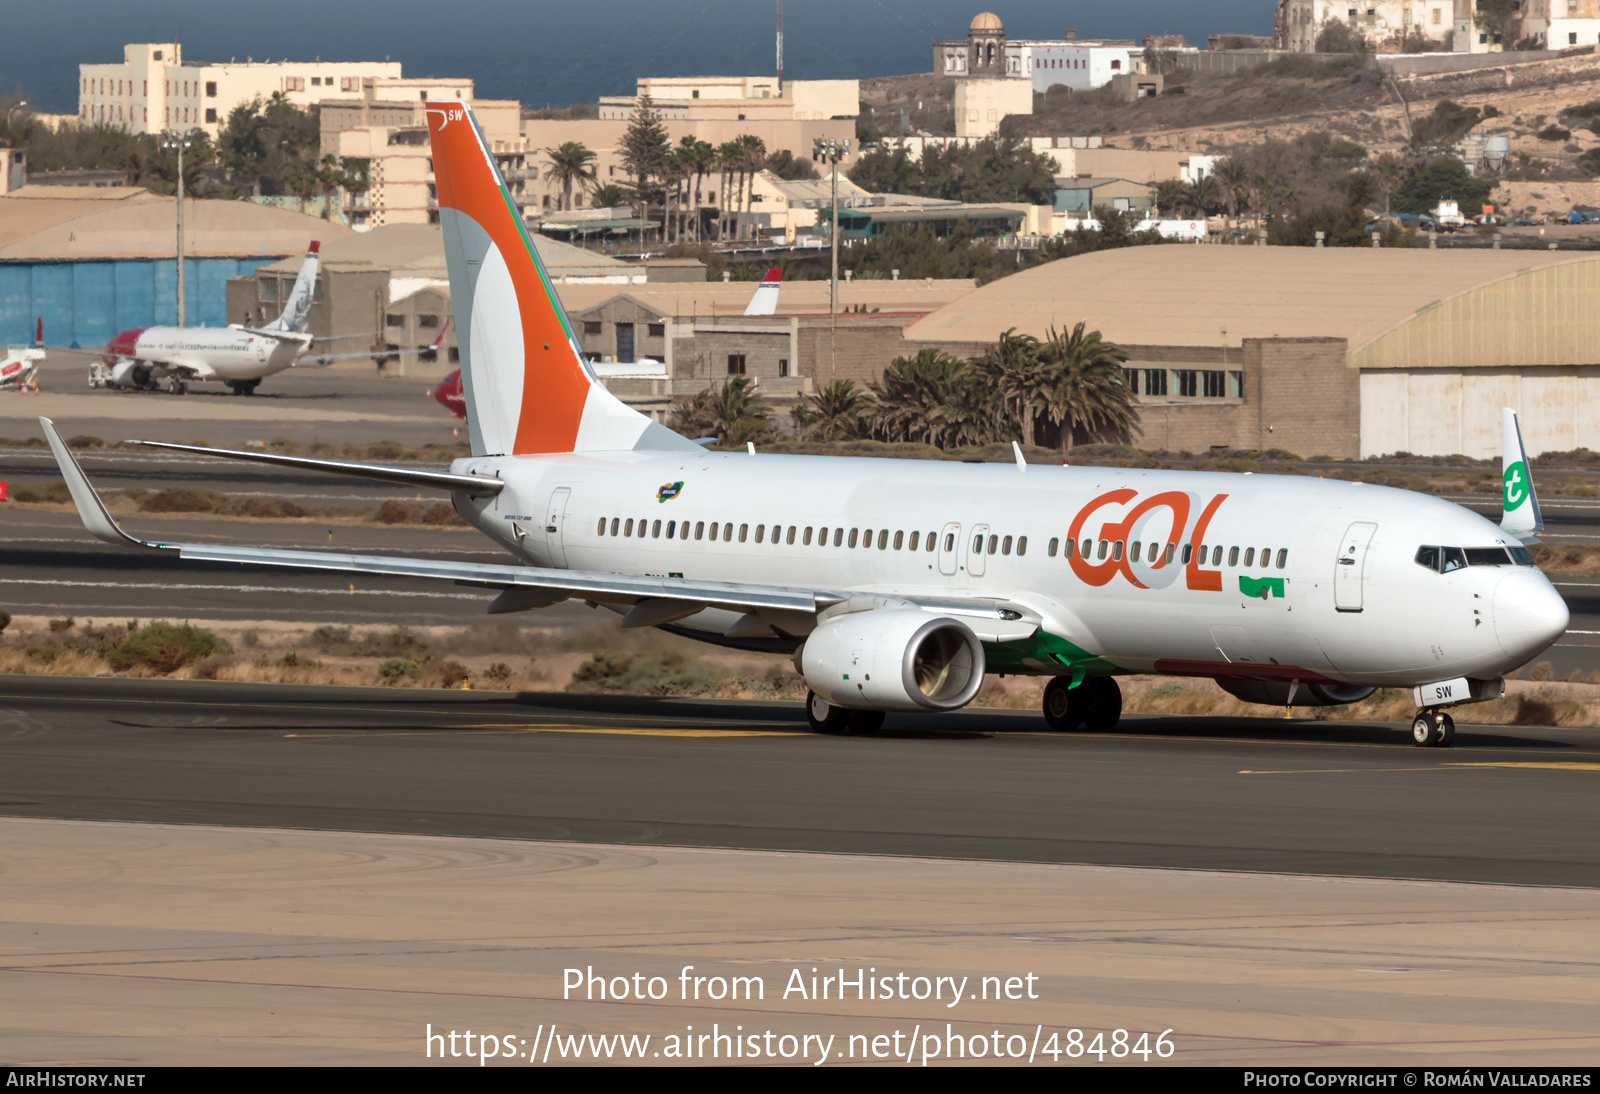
{"x":1520,"y":504}
{"x":296,"y":316}
{"x":528,"y":386}
{"x":764,"y":301}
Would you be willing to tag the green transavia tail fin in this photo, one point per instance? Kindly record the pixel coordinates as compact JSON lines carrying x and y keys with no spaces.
{"x":1520,"y":504}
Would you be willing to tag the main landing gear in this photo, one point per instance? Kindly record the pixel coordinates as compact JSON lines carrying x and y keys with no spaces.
{"x":839,"y":722}
{"x":244,"y":387}
{"x":177,"y":387}
{"x":1094,"y":704}
{"x":1433,"y":729}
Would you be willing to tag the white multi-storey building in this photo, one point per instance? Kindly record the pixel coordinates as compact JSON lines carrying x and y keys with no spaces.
{"x":155,"y":89}
{"x":987,"y":54}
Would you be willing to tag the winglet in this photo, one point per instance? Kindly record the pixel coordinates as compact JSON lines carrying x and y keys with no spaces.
{"x":1520,"y":513}
{"x":90,"y":508}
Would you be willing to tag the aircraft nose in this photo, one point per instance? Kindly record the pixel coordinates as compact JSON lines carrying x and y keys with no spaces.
{"x":1529,"y":614}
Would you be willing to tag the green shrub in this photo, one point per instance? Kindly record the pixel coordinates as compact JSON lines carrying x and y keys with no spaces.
{"x":165,"y":648}
{"x":57,"y":625}
{"x":385,"y":450}
{"x":647,"y":673}
{"x":398,"y":668}
{"x":5,"y":621}
{"x":451,"y":673}
{"x":47,"y":492}
{"x":183,"y":499}
{"x":497,"y":671}
{"x":85,"y":440}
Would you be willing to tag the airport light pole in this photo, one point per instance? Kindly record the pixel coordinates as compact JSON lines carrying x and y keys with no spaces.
{"x":172,"y":138}
{"x":832,"y":150}
{"x":17,"y":106}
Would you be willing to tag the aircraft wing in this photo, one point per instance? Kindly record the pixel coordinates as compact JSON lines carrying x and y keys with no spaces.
{"x":523,"y":586}
{"x":652,"y":599}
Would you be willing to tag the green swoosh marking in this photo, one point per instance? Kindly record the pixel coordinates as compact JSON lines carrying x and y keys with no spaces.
{"x":1261,"y":586}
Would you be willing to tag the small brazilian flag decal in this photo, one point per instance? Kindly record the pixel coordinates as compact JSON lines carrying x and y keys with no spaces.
{"x":1264,"y":587}
{"x":669,"y":491}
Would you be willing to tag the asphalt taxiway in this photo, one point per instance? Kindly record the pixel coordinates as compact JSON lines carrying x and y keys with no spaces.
{"x":1506,"y":805}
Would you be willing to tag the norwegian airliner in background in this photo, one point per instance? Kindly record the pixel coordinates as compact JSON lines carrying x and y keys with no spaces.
{"x":896,"y":584}
{"x":236,"y":355}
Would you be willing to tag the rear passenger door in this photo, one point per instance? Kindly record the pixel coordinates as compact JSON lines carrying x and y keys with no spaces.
{"x":949,"y":549}
{"x":975,"y":555}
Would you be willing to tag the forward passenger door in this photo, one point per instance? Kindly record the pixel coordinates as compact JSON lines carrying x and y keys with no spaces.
{"x":1349,"y":571}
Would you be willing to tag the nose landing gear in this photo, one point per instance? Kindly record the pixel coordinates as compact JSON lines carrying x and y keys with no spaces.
{"x":1433,"y":729}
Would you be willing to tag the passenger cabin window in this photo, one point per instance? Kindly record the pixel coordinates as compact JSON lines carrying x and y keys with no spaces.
{"x":1283,"y":557}
{"x":1051,"y":547}
{"x":1022,"y":546}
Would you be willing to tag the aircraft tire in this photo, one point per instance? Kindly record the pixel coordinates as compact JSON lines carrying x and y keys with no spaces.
{"x":248,"y":387}
{"x":824,"y":717}
{"x":1062,"y":711}
{"x":1424,"y":730}
{"x":1445,"y":733}
{"x":1101,"y":702}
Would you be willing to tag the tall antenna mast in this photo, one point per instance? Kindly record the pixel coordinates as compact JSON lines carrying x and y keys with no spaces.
{"x":780,"y":47}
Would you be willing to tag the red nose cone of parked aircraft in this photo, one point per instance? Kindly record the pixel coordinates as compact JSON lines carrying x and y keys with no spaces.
{"x":450,"y":395}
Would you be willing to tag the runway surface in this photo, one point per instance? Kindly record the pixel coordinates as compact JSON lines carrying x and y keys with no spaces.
{"x":1507,"y":805}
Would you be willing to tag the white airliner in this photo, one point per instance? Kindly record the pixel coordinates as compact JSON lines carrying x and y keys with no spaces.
{"x":236,"y":355}
{"x":896,"y":584}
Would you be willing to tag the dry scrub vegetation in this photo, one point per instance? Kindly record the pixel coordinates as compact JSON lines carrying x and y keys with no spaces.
{"x":601,"y":659}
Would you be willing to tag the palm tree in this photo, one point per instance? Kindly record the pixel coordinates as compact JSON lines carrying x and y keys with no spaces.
{"x":610,"y":196}
{"x":1088,"y":386}
{"x":736,"y":414}
{"x":753,"y":153}
{"x":933,"y":399}
{"x":1012,"y":367}
{"x":1171,"y":197}
{"x":729,"y":155}
{"x":837,"y":413}
{"x":700,"y":157}
{"x":1205,"y":193}
{"x":1233,"y":183}
{"x":571,"y":164}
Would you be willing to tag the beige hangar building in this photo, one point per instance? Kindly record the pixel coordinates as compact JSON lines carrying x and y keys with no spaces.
{"x":1348,"y":352}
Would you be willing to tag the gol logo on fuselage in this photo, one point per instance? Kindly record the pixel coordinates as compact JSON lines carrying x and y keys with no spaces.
{"x":1153,"y":523}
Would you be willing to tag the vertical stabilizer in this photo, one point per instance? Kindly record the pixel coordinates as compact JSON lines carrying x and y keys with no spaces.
{"x":1520,"y":504}
{"x":764,"y":301}
{"x":527,"y":386}
{"x":296,"y":316}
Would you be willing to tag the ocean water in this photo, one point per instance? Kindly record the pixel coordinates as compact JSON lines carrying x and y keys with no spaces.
{"x":559,"y":53}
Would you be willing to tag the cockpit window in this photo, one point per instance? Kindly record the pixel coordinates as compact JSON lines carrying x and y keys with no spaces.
{"x":1445,"y":559}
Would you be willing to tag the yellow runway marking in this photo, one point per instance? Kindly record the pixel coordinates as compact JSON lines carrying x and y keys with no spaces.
{"x":1553,"y":766}
{"x":1338,"y":770}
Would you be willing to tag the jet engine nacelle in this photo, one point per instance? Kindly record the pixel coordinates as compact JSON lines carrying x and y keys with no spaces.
{"x":1275,"y":693}
{"x":893,"y":659}
{"x":134,"y":374}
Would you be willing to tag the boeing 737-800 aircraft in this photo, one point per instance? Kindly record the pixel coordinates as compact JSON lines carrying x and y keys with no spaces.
{"x":238,"y":356}
{"x":896,"y":584}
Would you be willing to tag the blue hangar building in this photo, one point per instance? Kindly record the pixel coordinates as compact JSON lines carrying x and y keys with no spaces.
{"x":95,"y":261}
